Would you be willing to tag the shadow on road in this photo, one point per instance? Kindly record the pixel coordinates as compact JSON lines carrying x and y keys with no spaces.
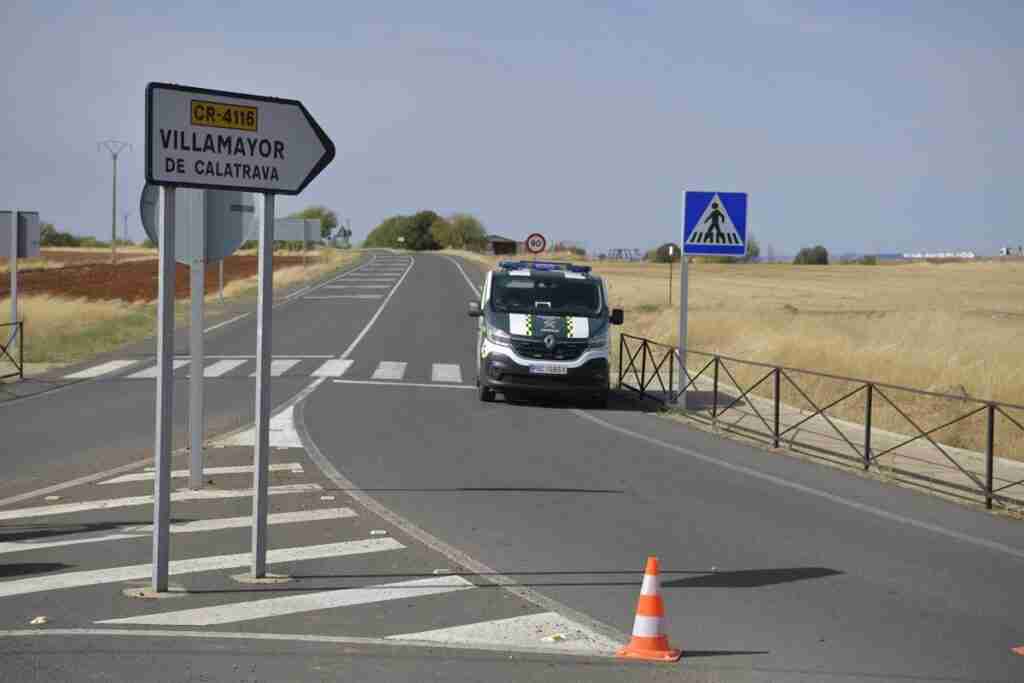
{"x":25,"y":532}
{"x":750,"y":578}
{"x":23,"y":568}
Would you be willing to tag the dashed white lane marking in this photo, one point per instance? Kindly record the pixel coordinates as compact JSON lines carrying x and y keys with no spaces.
{"x":418,"y":385}
{"x":446,"y":372}
{"x":294,"y":467}
{"x":106,"y":368}
{"x":387,"y":369}
{"x":132,"y":501}
{"x":280,"y":366}
{"x":150,"y":372}
{"x":347,"y":296}
{"x":199,"y":564}
{"x":222,"y":366}
{"x":295,"y":604}
{"x":200,"y":525}
{"x":333,"y":368}
{"x":531,"y":630}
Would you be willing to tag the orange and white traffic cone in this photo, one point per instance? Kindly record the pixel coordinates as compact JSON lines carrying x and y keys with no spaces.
{"x":649,"y":640}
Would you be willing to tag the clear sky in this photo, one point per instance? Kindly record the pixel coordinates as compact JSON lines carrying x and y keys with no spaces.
{"x":887,"y":126}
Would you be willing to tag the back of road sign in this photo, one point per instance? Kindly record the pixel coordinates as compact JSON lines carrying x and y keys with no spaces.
{"x":229,"y":218}
{"x":715,"y":223}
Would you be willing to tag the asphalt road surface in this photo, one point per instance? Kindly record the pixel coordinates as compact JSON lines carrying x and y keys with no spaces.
{"x":429,"y":536}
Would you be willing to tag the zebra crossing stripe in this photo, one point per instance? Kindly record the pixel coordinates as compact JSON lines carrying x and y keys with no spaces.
{"x":297,"y":604}
{"x":151,"y":372}
{"x":446,"y":372}
{"x":347,"y":296}
{"x":133,"y":501}
{"x":389,"y":370}
{"x":336,"y":367}
{"x":222,"y":366}
{"x":199,"y":525}
{"x":97,"y":371}
{"x":293,"y":467}
{"x":134,"y":572}
{"x":357,"y":286}
{"x":280,"y":366}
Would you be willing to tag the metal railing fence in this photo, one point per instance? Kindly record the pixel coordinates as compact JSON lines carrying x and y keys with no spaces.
{"x":778,"y":403}
{"x":12,"y":336}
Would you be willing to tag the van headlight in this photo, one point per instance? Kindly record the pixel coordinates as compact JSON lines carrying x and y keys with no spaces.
{"x":499,"y":337}
{"x":598,"y":341}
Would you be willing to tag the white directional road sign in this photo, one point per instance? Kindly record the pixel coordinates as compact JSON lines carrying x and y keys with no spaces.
{"x":213,"y":139}
{"x":715,"y":223}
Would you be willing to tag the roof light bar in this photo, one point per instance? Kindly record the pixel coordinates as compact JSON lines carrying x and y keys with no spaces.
{"x":543,"y":266}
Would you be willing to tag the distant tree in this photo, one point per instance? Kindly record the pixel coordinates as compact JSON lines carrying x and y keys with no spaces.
{"x":814,"y":256}
{"x":769,"y":253}
{"x":415,"y":231}
{"x":753,"y":250}
{"x":443,"y":232}
{"x":328,"y":219}
{"x":49,"y":236}
{"x":660,"y":255}
{"x":467,"y":232}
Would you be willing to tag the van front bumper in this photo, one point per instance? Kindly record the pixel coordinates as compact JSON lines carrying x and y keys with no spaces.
{"x":500,"y":372}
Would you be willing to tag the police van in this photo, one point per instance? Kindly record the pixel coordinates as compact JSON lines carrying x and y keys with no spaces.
{"x":544,"y":328}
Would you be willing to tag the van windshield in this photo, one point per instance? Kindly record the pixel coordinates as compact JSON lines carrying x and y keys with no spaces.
{"x":545,"y":294}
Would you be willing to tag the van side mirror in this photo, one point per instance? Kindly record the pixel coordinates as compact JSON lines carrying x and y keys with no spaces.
{"x":617,"y":316}
{"x":474,"y":309}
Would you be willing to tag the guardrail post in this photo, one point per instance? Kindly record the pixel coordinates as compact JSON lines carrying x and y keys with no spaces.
{"x":778,"y":400}
{"x":990,"y":454}
{"x":714,"y":393}
{"x":867,"y":427}
{"x":671,"y":376}
{"x":643,"y":368}
{"x":21,"y":350}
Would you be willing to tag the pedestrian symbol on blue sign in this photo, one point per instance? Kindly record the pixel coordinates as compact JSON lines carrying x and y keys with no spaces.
{"x":715,"y":223}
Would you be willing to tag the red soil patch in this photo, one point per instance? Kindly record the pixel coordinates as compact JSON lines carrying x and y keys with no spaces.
{"x":132,"y":281}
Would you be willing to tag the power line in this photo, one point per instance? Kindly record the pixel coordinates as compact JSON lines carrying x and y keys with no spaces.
{"x":115,"y":147}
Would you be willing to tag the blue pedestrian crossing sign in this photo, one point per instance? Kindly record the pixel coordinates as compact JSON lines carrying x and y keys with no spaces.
{"x":715,"y":223}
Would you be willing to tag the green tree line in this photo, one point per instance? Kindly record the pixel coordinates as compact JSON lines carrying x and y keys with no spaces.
{"x":428,"y":230}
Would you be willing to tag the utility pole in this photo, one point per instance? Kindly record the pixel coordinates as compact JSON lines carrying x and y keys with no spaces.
{"x":115,"y":147}
{"x":124,"y":233}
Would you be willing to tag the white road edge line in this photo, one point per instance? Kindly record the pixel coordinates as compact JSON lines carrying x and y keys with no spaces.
{"x":290,"y":637}
{"x":217,"y":615}
{"x":383,"y":305}
{"x":468,"y":281}
{"x":91,"y":577}
{"x":779,"y":481}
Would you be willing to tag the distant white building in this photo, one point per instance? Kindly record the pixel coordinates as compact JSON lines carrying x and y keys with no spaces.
{"x":940,"y":254}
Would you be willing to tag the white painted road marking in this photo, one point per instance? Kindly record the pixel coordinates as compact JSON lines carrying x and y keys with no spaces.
{"x":333,"y":368}
{"x":280,"y":366}
{"x":282,"y":431}
{"x":294,"y":467}
{"x":528,"y":630}
{"x":296,"y":604}
{"x":221,"y":367}
{"x":370,"y":382}
{"x":150,"y":373}
{"x":446,"y":372}
{"x":358,"y":286}
{"x":199,"y":564}
{"x":387,"y":369}
{"x":106,"y":368}
{"x":347,"y":296}
{"x":142,"y":531}
{"x":132,"y":501}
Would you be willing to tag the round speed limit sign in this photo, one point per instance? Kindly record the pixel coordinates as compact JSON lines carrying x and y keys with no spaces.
{"x":536,"y":243}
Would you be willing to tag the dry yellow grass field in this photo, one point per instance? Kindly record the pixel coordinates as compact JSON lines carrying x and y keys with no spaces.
{"x":955,"y":328}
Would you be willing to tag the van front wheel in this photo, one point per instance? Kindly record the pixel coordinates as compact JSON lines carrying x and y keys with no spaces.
{"x":486,"y":394}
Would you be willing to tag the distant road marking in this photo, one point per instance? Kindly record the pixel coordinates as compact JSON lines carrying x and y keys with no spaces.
{"x":296,"y":604}
{"x":357,"y":286}
{"x":383,"y":305}
{"x":446,"y":372}
{"x":370,"y":382}
{"x":221,"y":367}
{"x":346,"y":296}
{"x":142,"y":531}
{"x":132,"y":501}
{"x":294,"y":467}
{"x":280,"y":366}
{"x":150,"y":372}
{"x":106,"y":368}
{"x":199,"y":564}
{"x":336,"y":367}
{"x":387,"y":369}
{"x":779,"y":481}
{"x":526,"y":630}
{"x":468,"y":281}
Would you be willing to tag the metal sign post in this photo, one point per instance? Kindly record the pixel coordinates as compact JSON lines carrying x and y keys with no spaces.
{"x":714,"y":223}
{"x":261,"y":459}
{"x":165,"y":398}
{"x":197,"y":415}
{"x":12,"y":266}
{"x":671,"y":255}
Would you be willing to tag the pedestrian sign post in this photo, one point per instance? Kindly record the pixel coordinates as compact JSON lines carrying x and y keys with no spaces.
{"x":714,"y":224}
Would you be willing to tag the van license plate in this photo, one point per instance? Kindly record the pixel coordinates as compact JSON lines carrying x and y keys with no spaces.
{"x":548,"y":370}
